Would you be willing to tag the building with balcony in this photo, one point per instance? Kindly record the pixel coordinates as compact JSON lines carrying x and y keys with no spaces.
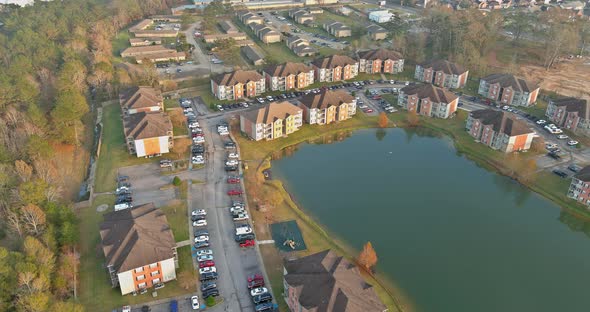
{"x":499,"y":130}
{"x":141,"y":99}
{"x":508,"y":89}
{"x":579,"y":189}
{"x":380,"y":61}
{"x":570,"y":113}
{"x":327,"y":107}
{"x":288,"y":76}
{"x":442,"y":73}
{"x":338,"y":29}
{"x":237,"y":85}
{"x":326,"y":282}
{"x":148,"y":134}
{"x":428,"y":100}
{"x":139,"y":248}
{"x":275,"y":120}
{"x":335,"y":68}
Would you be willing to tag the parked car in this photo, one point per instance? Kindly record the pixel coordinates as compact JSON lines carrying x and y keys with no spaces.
{"x":200,"y":223}
{"x":572,"y":143}
{"x":554,"y":155}
{"x":165,"y":163}
{"x":195,"y":302}
{"x":574,"y":168}
{"x":248,"y":243}
{"x":541,"y":122}
{"x":205,"y":252}
{"x":211,"y":269}
{"x":560,"y":173}
{"x":234,"y":192}
{"x":205,"y":264}
{"x":200,"y":232}
{"x":233,"y":180}
{"x":256,"y":276}
{"x":241,"y":217}
{"x":258,"y":299}
{"x":562,"y":137}
{"x":208,"y":285}
{"x":201,"y":245}
{"x":214,"y":292}
{"x":231,"y":162}
{"x":202,"y":238}
{"x":199,"y":212}
{"x":173,"y":306}
{"x":210,"y":276}
{"x":233,"y":155}
{"x":255,"y":284}
{"x":241,"y":238}
{"x":267,"y":306}
{"x":258,"y":291}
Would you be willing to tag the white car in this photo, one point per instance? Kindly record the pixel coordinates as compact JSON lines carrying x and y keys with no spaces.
{"x":219,"y":107}
{"x":200,"y":223}
{"x":202,"y":258}
{"x":550,"y":146}
{"x":241,"y":216}
{"x":258,"y":291}
{"x":237,"y":210}
{"x":199,"y":212}
{"x":207,"y":270}
{"x":126,"y":309}
{"x":562,"y":137}
{"x":195,"y":302}
{"x":572,"y":143}
{"x":541,"y":122}
{"x":202,"y":238}
{"x":557,"y":131}
{"x":199,"y":140}
{"x":204,"y":252}
{"x":233,"y":155}
{"x":231,"y":162}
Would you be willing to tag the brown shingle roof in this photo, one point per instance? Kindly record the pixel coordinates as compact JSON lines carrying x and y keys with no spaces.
{"x":140,"y":97}
{"x":146,"y":50}
{"x":375,"y":29}
{"x":434,"y":93}
{"x":136,"y":237}
{"x":583,"y":174}
{"x":289,"y":68}
{"x":326,"y":98}
{"x":334,"y":61}
{"x":238,"y":76}
{"x":272,"y":112}
{"x":147,"y":125}
{"x":574,"y":105}
{"x":445,"y":66}
{"x":380,"y":54}
{"x":328,"y":282}
{"x":502,"y":122}
{"x":509,"y":80}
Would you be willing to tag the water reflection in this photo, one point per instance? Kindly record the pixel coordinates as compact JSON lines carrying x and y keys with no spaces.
{"x":575,"y":223}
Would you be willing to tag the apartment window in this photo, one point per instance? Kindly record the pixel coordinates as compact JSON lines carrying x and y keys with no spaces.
{"x":138,"y":270}
{"x":153,"y":265}
{"x":156,"y":281}
{"x":142,"y":285}
{"x":140,"y":277}
{"x":155,"y":273}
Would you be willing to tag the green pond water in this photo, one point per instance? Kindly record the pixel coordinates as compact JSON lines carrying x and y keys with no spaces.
{"x":453,"y":236}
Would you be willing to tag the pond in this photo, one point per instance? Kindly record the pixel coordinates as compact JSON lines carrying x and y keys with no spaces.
{"x":453,"y":236}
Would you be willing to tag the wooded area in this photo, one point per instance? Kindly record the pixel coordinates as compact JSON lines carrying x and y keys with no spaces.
{"x":57,"y":60}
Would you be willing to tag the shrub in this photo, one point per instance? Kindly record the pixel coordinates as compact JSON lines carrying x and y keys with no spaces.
{"x":210,"y":301}
{"x":176,"y":181}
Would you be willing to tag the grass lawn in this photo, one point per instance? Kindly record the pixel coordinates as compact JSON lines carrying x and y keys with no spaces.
{"x":121,"y":42}
{"x":537,"y":110}
{"x":171,"y":103}
{"x":113,"y":152}
{"x":176,"y":214}
{"x":96,"y":293}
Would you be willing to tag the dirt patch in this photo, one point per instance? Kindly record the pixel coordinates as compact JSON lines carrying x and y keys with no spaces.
{"x":102,"y":208}
{"x":568,"y":78}
{"x":70,"y":163}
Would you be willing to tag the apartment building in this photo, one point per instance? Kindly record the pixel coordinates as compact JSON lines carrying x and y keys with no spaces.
{"x":570,"y":113}
{"x":377,"y":32}
{"x":300,"y":46}
{"x":139,"y":248}
{"x":335,"y":68}
{"x":327,"y":107}
{"x":442,"y":73}
{"x":138,"y":42}
{"x":301,"y":16}
{"x":327,"y":282}
{"x":288,"y":76}
{"x":499,"y":130}
{"x":266,"y":34}
{"x":508,"y":89}
{"x":148,"y":133}
{"x":238,"y":84}
{"x":275,"y":120}
{"x":380,"y":61}
{"x":579,"y":189}
{"x":428,"y":100}
{"x":141,"y":99}
{"x":248,"y":17}
{"x":338,"y":29}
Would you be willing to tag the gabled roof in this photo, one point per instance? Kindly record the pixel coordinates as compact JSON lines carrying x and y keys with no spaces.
{"x":445,"y":66}
{"x":140,"y":97}
{"x":252,"y":54}
{"x":380,"y":54}
{"x":574,"y":105}
{"x":238,"y":76}
{"x":326,"y":98}
{"x":327,"y":282}
{"x":509,"y":80}
{"x":289,"y":68}
{"x":147,"y":125}
{"x":267,"y":31}
{"x":583,"y":174}
{"x":303,"y":48}
{"x":271,"y":112}
{"x":146,"y":49}
{"x":334,"y":61}
{"x":376,"y":29}
{"x":434,"y":93}
{"x":501,"y":121}
{"x":337,"y":26}
{"x":132,"y":238}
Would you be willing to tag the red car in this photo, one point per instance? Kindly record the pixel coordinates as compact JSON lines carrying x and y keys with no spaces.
{"x":234,"y":192}
{"x":248,"y":243}
{"x":233,"y":180}
{"x":368,"y":110}
{"x":255,"y":284}
{"x":255,"y":277}
{"x":377,"y":97}
{"x":206,"y":264}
